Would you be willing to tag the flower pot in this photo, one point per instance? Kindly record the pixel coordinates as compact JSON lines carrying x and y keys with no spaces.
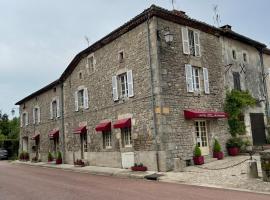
{"x":218,"y":155}
{"x":139,"y":168}
{"x":233,"y":151}
{"x":58,"y":161}
{"x":198,"y":160}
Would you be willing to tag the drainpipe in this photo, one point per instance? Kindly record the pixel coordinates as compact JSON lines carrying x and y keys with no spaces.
{"x":152,"y":91}
{"x":63,"y":123}
{"x":264,"y":83}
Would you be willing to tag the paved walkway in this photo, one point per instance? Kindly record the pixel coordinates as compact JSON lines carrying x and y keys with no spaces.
{"x":211,"y":174}
{"x":233,"y":177}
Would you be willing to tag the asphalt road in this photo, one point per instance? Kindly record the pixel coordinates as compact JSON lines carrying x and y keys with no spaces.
{"x":18,"y":182}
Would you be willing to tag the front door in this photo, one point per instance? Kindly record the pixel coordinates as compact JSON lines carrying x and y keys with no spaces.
{"x":202,"y":136}
{"x":258,"y":128}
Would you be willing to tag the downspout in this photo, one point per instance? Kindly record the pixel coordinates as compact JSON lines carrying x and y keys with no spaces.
{"x":152,"y":91}
{"x":63,"y":123}
{"x":264,"y":83}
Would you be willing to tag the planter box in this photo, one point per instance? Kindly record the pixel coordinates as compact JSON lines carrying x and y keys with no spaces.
{"x":233,"y":151}
{"x":218,"y":155}
{"x":58,"y":161}
{"x":198,"y":160}
{"x":137,"y":168}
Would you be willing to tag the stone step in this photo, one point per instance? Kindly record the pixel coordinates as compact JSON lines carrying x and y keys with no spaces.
{"x":261,"y":147}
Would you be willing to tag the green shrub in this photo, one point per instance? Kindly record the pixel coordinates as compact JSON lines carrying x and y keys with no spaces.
{"x":217,"y":147}
{"x":59,"y":155}
{"x":197,"y":151}
{"x":234,"y":142}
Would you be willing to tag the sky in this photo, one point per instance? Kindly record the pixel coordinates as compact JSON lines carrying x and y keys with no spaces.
{"x":39,"y":38}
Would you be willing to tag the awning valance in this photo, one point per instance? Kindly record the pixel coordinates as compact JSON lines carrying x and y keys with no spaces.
{"x":80,"y":130}
{"x":123,"y":123}
{"x":35,"y":137}
{"x":53,"y":134}
{"x":191,"y":114}
{"x":103,"y":126}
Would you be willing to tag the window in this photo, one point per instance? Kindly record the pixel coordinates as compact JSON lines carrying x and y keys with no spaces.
{"x":121,"y":56}
{"x":36,"y":115}
{"x":81,"y":99}
{"x":24,"y":119}
{"x":201,"y":133}
{"x":191,"y":42}
{"x":91,"y":63}
{"x":85,"y":146}
{"x":107,"y":139}
{"x":245,"y":57}
{"x":122,"y":85}
{"x":236,"y":81}
{"x":196,"y":78}
{"x":55,"y":108}
{"x":234,"y":54}
{"x":126,"y":137}
{"x":80,"y":75}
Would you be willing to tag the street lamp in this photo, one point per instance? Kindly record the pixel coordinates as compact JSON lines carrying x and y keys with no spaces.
{"x":166,"y":34}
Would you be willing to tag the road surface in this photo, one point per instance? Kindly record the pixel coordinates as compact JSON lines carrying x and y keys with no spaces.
{"x":19,"y":182}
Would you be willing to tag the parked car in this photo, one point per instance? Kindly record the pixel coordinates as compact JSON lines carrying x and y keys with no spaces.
{"x":3,"y":154}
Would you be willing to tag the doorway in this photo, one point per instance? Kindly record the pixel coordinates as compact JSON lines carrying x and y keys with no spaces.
{"x":258,"y":128}
{"x":202,"y":136}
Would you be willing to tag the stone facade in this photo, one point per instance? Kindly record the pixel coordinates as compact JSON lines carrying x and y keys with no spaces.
{"x":136,"y":73}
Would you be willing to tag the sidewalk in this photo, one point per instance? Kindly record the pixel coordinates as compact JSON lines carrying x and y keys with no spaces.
{"x":95,"y":170}
{"x":213,"y":174}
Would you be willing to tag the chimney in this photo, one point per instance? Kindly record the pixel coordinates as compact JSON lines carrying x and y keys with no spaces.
{"x":179,"y":13}
{"x":226,"y":27}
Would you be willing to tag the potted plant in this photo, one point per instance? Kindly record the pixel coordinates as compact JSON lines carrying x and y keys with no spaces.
{"x":139,"y":167}
{"x":233,"y":146}
{"x":217,"y":153}
{"x":198,"y":158}
{"x":58,"y":158}
{"x":50,"y":157}
{"x":79,"y":163}
{"x":24,"y":156}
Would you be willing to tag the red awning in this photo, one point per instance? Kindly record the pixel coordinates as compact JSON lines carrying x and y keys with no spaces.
{"x":53,"y":134}
{"x":104,"y":126}
{"x":191,"y":114}
{"x":80,"y":130}
{"x":35,"y":137}
{"x":123,"y":123}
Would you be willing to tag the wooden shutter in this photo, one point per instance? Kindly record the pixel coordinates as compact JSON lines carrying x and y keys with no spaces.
{"x":114,"y":88}
{"x":38,"y":115}
{"x":189,"y":80}
{"x":197,"y":44}
{"x":85,"y":98}
{"x":26,"y":118}
{"x":21,"y":119}
{"x":130,"y":83}
{"x":185,"y":40}
{"x":34,"y":118}
{"x":76,"y":101}
{"x":57,"y":107}
{"x":206,"y":81}
{"x":51,"y":110}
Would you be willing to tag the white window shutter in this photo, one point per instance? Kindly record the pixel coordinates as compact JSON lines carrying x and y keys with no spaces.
{"x":189,"y":80}
{"x":206,"y":81}
{"x":85,"y":98}
{"x":34,"y":118}
{"x":38,"y":115}
{"x":130,"y":83}
{"x":57,"y":107}
{"x":51,"y":110}
{"x":197,"y":44}
{"x":21,"y":119}
{"x":26,"y":119}
{"x":114,"y":88}
{"x":76,"y":101}
{"x":185,"y":40}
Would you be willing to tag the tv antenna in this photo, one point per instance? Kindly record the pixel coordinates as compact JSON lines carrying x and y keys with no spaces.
{"x":87,"y":40}
{"x":216,"y":16}
{"x":173,"y":4}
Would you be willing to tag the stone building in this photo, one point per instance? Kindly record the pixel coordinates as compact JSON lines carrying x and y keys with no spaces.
{"x":146,"y":93}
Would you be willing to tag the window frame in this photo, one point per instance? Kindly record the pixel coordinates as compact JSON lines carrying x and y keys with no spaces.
{"x":91,"y":68}
{"x":107,"y":139}
{"x":81,"y":99}
{"x":196,"y":79}
{"x":123,"y":84}
{"x":126,"y":136}
{"x":54,"y":109}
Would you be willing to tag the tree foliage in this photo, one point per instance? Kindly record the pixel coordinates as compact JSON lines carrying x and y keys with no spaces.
{"x":235,"y":103}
